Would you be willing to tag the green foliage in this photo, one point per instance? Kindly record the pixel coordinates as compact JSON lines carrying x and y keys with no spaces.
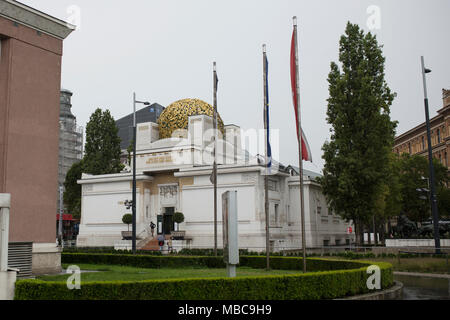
{"x":129,"y":151}
{"x":178,"y":217}
{"x":443,"y":196}
{"x":72,"y":190}
{"x":414,"y":174}
{"x":102,"y":156}
{"x":102,"y":149}
{"x":108,"y":250}
{"x":127,"y":219}
{"x":342,"y":278}
{"x":357,"y":155}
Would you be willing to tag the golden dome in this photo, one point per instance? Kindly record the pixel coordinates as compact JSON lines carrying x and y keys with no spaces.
{"x":176,"y":115}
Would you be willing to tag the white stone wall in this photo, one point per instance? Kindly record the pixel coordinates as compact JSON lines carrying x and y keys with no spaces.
{"x":102,"y":209}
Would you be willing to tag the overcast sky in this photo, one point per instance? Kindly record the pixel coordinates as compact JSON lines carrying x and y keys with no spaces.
{"x":164,"y":50}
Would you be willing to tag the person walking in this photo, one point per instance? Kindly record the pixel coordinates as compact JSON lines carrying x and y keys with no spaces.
{"x":152,"y":227}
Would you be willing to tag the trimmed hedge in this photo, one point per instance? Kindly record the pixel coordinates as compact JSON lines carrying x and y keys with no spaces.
{"x":108,"y":250}
{"x":342,"y":278}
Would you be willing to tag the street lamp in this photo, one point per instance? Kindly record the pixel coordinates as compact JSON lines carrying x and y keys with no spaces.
{"x":133,"y":241}
{"x":433,"y":200}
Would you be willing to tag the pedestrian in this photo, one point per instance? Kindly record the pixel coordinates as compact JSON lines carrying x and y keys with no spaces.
{"x":152,"y":227}
{"x":161,"y":239}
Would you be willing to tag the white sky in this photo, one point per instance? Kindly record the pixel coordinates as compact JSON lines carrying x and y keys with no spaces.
{"x":164,"y":49}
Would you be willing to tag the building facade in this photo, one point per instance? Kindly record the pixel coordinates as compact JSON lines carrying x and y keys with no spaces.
{"x":415,"y":141}
{"x":31,"y":44}
{"x":174,"y":165}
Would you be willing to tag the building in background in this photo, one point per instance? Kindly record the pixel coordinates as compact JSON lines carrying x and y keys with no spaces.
{"x":414,"y":141}
{"x":31,"y":47}
{"x":70,"y":139}
{"x":125,"y":124}
{"x":173,"y":166}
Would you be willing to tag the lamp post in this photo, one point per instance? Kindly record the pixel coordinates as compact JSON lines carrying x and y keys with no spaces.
{"x":433,"y":200}
{"x":133,"y":241}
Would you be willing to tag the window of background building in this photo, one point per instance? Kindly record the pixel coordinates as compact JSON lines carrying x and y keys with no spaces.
{"x":409,"y":147}
{"x":438,"y":136}
{"x":423,"y":143}
{"x":276,"y":214}
{"x":445,"y":159}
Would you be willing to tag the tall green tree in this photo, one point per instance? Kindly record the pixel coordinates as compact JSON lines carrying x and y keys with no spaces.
{"x":102,"y":149}
{"x":414,"y":175}
{"x":362,"y":133}
{"x":72,"y":190}
{"x":101,"y":156}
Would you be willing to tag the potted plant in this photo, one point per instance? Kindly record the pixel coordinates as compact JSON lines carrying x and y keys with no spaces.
{"x":127,"y":219}
{"x":178,"y":218}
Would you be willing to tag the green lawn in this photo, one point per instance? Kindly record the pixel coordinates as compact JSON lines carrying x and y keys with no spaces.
{"x":124,"y":273}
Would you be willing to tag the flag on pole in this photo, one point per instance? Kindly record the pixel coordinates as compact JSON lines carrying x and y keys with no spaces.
{"x":306,"y":151}
{"x":213,"y":176}
{"x":266,"y":110}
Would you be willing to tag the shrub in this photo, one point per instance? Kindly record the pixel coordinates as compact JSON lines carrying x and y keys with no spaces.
{"x":178,"y":217}
{"x":127,"y":219}
{"x":342,"y":278}
{"x":110,"y":250}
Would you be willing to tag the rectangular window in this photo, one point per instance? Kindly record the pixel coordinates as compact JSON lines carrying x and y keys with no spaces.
{"x":319,"y":210}
{"x":276,"y":214}
{"x":423,"y":143}
{"x":439,"y":136}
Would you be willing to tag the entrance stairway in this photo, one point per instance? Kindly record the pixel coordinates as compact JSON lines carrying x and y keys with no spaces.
{"x":151,"y":243}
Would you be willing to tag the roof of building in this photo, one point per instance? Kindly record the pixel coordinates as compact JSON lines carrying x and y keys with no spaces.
{"x":310,"y":174}
{"x":176,"y":115}
{"x":35,"y":19}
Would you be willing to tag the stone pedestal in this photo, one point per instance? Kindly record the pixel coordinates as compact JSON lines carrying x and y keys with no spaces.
{"x":7,"y":285}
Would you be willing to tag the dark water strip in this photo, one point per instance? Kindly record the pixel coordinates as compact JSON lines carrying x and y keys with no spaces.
{"x":424,"y":288}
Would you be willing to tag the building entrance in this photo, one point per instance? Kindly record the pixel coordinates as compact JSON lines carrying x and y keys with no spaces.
{"x":168,"y":225}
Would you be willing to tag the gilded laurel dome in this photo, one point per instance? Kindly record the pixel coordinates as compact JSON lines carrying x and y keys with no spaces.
{"x":176,"y":115}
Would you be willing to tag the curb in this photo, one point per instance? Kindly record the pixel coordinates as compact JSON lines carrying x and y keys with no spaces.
{"x":393,"y":293}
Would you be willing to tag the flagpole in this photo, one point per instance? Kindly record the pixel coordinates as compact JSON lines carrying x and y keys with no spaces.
{"x":266,"y":177}
{"x":299,"y":138}
{"x":214,"y":155}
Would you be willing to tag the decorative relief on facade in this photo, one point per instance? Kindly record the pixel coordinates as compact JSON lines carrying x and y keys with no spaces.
{"x":162,"y":157}
{"x":273,"y":185}
{"x":164,"y":191}
{"x":168,"y":195}
{"x":248,"y":178}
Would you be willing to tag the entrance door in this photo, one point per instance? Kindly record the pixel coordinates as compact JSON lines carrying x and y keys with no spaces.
{"x":168,"y":220}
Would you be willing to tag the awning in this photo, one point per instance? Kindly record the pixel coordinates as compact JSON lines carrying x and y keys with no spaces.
{"x":66,"y":217}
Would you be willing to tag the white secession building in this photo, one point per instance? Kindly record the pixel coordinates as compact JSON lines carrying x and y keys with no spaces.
{"x":174,"y":164}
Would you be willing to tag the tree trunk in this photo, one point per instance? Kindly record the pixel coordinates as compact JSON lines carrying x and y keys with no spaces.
{"x":382,"y":231}
{"x":375,"y":231}
{"x":359,"y":229}
{"x":369,"y":241}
